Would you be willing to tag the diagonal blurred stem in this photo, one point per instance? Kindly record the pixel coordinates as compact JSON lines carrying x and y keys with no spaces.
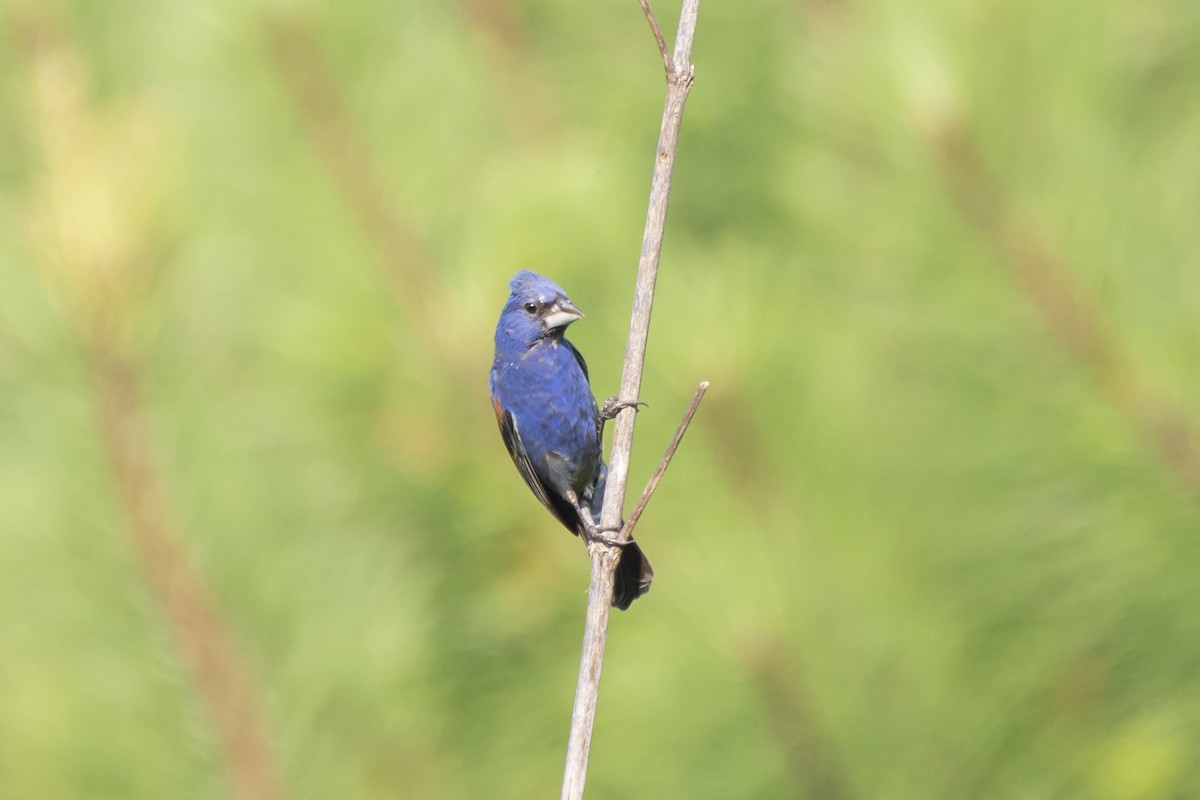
{"x":1047,"y":279}
{"x":521,"y":92}
{"x":346,"y":155}
{"x":810,"y":756}
{"x":204,"y":638}
{"x":605,"y":558}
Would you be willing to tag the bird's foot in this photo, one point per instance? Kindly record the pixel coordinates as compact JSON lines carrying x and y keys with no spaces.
{"x":595,"y":533}
{"x":613,"y":406}
{"x":591,"y":531}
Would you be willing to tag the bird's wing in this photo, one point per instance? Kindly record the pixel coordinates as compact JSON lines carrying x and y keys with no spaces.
{"x":563,"y":511}
{"x":579,"y":358}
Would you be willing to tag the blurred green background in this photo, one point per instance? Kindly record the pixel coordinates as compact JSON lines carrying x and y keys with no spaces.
{"x":934,"y":534}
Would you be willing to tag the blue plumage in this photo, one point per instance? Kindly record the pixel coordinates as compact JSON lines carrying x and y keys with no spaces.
{"x":548,"y":417}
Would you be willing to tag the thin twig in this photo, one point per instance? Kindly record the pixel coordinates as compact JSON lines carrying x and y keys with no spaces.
{"x":658,"y":36}
{"x":652,"y":485}
{"x":605,"y":557}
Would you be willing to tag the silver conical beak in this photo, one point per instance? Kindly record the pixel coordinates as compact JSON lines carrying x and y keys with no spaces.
{"x":561,"y":314}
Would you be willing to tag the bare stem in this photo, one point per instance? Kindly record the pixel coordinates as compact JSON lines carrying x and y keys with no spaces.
{"x":605,"y":558}
{"x":591,"y":659}
{"x":679,"y":82}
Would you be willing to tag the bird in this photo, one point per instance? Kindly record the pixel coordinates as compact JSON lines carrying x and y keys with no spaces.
{"x":549,"y":419}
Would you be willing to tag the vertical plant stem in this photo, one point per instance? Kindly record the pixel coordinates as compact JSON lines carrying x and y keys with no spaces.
{"x":679,"y":83}
{"x":605,"y":558}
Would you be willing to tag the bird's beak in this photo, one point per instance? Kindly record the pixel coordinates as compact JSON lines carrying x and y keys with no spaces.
{"x":561,"y":314}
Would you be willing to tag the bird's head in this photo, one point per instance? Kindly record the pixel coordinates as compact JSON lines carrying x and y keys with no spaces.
{"x":536,"y":309}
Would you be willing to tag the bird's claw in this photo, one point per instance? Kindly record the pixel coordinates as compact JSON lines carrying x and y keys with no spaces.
{"x":591,"y":531}
{"x":595,"y":533}
{"x":613,"y":406}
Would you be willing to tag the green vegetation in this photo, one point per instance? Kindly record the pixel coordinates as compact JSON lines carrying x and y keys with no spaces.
{"x":935,"y":530}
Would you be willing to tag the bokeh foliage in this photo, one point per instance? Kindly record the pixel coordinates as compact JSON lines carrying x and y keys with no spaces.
{"x":920,"y":543}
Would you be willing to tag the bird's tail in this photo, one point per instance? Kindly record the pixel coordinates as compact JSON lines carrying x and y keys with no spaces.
{"x":634,"y":575}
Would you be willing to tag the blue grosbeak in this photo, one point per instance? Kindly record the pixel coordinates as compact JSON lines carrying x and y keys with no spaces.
{"x":549,"y":419}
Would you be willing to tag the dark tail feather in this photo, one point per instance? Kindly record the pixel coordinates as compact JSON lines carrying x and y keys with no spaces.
{"x":634,"y":575}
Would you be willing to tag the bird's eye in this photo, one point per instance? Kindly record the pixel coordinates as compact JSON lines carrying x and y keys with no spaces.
{"x":531,"y":308}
